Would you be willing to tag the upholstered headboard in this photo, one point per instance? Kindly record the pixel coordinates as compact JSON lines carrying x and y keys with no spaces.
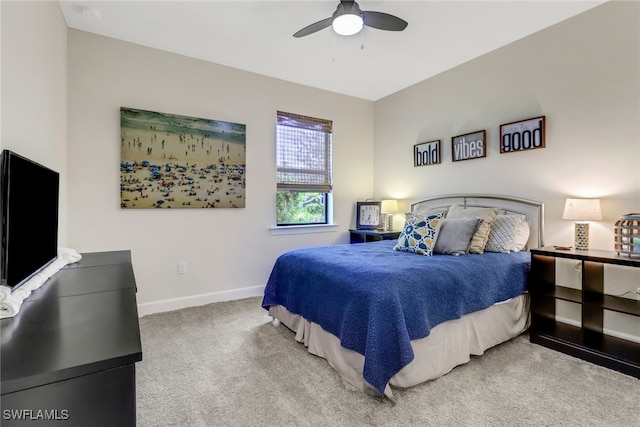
{"x":533,"y":210}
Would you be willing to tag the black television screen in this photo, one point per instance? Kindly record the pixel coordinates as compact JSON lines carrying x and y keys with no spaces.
{"x":29,"y":231}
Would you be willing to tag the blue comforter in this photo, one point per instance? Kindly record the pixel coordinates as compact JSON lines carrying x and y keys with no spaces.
{"x":376,"y":300}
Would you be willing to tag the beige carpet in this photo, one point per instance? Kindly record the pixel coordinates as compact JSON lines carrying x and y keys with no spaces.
{"x":224,"y":364}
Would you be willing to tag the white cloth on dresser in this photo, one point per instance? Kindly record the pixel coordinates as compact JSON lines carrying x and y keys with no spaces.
{"x":10,"y":302}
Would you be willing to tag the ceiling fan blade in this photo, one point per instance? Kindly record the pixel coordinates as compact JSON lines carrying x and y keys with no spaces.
{"x":383,"y":21}
{"x":320,"y":25}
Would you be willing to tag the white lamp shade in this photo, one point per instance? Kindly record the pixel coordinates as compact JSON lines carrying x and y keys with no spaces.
{"x":389,"y":206}
{"x":347,"y":24}
{"x":582,"y":210}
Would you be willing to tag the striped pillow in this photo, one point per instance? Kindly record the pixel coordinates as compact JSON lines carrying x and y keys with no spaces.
{"x":503,"y":232}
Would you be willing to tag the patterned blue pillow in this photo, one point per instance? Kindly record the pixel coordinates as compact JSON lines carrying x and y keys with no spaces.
{"x":419,"y":234}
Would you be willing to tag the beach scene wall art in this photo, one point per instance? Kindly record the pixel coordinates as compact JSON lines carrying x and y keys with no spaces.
{"x":172,"y":161}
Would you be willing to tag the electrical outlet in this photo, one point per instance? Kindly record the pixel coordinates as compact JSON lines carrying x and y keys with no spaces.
{"x":182,"y":268}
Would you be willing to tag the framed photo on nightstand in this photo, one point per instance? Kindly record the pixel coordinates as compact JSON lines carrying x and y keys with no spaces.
{"x":368,"y":215}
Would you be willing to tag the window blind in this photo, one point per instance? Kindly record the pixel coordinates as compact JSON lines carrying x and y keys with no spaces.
{"x":303,"y":153}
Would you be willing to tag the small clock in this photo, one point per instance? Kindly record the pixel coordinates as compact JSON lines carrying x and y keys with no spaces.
{"x":368,"y":215}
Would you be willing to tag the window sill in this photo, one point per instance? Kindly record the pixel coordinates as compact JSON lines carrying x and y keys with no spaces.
{"x":303,"y":229}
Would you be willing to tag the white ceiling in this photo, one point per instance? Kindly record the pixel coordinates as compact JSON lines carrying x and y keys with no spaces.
{"x":256,"y":36}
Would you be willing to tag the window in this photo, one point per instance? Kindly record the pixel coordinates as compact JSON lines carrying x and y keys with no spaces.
{"x":303,"y":152}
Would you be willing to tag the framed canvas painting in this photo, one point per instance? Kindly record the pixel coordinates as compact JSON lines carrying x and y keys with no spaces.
{"x":171,"y":161}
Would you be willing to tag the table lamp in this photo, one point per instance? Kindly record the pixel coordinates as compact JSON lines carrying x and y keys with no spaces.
{"x":582,"y":210}
{"x":388,"y":208}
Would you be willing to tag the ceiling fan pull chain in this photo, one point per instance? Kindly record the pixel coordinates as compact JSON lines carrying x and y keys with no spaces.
{"x":334,"y":49}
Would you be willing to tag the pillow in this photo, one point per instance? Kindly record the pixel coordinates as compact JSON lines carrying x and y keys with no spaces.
{"x":503,"y":233}
{"x":522,"y":237}
{"x":419,"y":234}
{"x":424,"y":211}
{"x":480,"y":237}
{"x":454,"y":237}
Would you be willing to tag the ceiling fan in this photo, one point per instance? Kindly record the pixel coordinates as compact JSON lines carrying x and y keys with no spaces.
{"x":348,"y":19}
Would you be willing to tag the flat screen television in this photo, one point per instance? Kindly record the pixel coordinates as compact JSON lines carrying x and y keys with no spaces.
{"x":29,"y":227}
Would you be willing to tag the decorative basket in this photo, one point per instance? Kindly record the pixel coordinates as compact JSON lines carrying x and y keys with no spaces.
{"x":627,"y":235}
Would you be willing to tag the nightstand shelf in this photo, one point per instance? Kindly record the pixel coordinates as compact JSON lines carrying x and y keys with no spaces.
{"x":612,"y":352}
{"x":364,"y":236}
{"x":587,"y":341}
{"x":565,"y":294}
{"x":621,"y":305}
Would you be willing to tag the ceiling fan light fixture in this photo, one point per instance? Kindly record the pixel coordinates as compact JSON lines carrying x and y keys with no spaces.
{"x":348,"y":20}
{"x":347,"y":24}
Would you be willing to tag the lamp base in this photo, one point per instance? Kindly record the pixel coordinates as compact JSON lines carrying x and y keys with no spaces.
{"x":388,"y":222}
{"x":582,"y":236}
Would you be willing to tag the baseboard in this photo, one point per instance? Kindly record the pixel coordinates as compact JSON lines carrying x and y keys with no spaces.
{"x":622,"y":335}
{"x":196,"y":300}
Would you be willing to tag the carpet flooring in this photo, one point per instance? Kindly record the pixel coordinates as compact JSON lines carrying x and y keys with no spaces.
{"x":225,"y":364}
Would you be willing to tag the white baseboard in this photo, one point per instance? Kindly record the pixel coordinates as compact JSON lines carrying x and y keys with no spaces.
{"x":623,"y":335}
{"x":196,"y":300}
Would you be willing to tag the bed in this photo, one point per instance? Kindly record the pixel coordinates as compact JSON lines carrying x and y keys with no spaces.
{"x":386,"y":316}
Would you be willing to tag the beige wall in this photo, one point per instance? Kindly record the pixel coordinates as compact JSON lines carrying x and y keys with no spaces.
{"x":34,"y":88}
{"x":229,"y":252}
{"x":582,"y":74}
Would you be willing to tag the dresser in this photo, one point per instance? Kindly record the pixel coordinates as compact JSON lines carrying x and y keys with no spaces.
{"x":68,"y":357}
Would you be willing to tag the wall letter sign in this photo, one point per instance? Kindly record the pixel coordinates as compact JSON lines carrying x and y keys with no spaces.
{"x":523,"y":135}
{"x":469,"y":146}
{"x":427,"y":153}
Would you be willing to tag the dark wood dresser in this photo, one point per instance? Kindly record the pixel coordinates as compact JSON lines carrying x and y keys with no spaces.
{"x":68,"y":357}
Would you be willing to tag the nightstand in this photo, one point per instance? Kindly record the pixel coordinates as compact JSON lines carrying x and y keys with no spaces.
{"x":588,"y":339}
{"x":364,"y":236}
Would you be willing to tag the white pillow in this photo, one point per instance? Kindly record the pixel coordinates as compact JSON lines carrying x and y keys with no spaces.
{"x":425,"y":211}
{"x":522,"y":237}
{"x":503,"y":233}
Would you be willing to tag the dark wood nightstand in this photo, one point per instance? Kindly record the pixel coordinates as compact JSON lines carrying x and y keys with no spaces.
{"x":364,"y":236}
{"x":588,"y":340}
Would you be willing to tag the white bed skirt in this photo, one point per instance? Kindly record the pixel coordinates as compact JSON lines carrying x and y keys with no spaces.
{"x":450,"y":344}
